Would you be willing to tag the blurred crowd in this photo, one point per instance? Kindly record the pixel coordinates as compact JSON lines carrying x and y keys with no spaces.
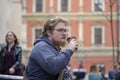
{"x":97,"y":72}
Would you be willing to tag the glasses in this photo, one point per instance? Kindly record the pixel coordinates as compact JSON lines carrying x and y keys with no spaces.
{"x":61,"y":30}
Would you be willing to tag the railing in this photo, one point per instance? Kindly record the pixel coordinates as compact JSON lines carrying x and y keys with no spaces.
{"x":11,"y":77}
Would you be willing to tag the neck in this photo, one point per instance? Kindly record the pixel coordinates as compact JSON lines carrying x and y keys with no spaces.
{"x":10,"y":45}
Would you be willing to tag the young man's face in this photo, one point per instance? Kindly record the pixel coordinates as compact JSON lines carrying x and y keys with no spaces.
{"x":59,"y":34}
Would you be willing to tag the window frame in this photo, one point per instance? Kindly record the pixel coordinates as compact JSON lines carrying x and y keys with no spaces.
{"x":102,"y":34}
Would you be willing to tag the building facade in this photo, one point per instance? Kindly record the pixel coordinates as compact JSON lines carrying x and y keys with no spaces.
{"x":90,"y":21}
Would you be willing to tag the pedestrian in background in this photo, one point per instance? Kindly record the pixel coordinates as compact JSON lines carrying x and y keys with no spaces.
{"x":79,"y":72}
{"x":11,"y":55}
{"x":47,"y":61}
{"x":117,"y":74}
{"x":111,"y":73}
{"x":95,"y":73}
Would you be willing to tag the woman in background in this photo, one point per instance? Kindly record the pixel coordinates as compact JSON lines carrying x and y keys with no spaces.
{"x":11,"y":55}
{"x":95,"y":74}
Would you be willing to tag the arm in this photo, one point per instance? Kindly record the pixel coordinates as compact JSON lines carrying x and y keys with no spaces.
{"x":18,"y":56}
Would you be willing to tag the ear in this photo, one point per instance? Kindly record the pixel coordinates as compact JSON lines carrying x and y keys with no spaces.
{"x":49,"y":33}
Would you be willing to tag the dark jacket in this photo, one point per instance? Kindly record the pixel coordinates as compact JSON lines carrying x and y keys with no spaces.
{"x":17,"y":56}
{"x":46,"y":61}
{"x":117,"y":75}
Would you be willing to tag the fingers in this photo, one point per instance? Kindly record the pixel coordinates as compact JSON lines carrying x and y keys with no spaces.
{"x":11,"y":70}
{"x":73,"y":45}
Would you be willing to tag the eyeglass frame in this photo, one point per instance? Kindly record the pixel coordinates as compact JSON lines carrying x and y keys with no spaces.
{"x":61,"y":30}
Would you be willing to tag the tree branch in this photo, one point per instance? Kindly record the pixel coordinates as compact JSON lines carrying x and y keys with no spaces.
{"x":107,"y":17}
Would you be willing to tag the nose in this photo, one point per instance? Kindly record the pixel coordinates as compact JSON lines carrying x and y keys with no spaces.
{"x":65,"y":33}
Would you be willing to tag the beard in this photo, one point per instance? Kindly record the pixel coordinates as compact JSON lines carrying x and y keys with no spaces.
{"x":59,"y":43}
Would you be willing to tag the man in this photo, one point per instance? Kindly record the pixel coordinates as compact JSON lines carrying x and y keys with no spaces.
{"x":80,"y":72}
{"x":111,"y":73}
{"x":117,"y":74}
{"x":46,"y":61}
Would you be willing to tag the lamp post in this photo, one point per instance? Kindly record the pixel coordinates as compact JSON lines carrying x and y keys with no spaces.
{"x":118,"y":18}
{"x":112,"y":34}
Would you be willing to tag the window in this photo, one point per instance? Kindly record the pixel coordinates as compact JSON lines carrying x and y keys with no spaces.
{"x":98,"y":5}
{"x":38,"y":33}
{"x":38,"y":5}
{"x":98,"y":35}
{"x":64,"y":5}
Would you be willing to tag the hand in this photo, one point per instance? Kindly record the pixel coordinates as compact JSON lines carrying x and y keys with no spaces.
{"x":73,"y":44}
{"x":11,"y":70}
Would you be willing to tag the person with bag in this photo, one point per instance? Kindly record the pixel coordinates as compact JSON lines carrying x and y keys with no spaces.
{"x":47,"y":61}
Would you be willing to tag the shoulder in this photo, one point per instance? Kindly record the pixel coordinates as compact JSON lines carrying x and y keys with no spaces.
{"x":42,"y":45}
{"x":18,"y":47}
{"x":42,"y":48}
{"x":91,"y":74}
{"x":117,"y":75}
{"x":3,"y":47}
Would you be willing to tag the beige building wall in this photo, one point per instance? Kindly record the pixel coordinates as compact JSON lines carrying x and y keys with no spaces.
{"x":16,"y":22}
{"x":5,"y":18}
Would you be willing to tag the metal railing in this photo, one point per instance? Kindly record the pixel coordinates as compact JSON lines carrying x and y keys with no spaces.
{"x":11,"y":77}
